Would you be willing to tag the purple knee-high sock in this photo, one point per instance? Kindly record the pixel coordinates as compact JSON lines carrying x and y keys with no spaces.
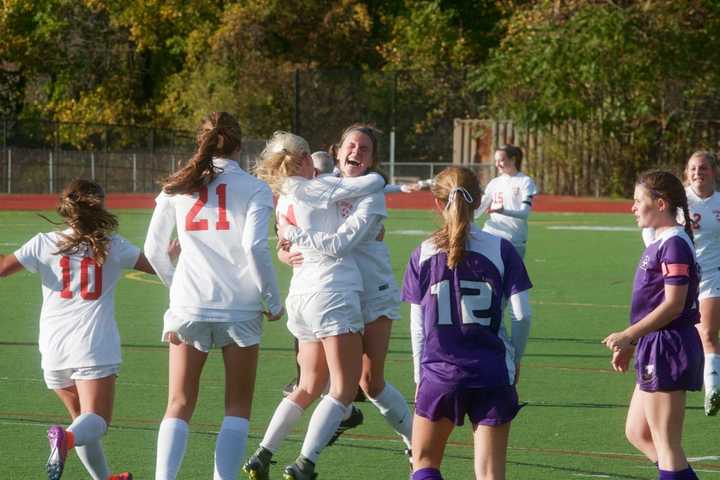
{"x":427,"y":474}
{"x":687,"y":474}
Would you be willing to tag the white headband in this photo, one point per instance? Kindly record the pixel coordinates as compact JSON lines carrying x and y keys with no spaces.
{"x":451,"y":197}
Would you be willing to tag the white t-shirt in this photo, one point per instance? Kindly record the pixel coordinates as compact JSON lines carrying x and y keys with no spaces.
{"x":320,"y":271}
{"x":515,"y":194}
{"x":705,"y":217}
{"x":77,"y":320}
{"x":362,"y":222}
{"x":225,"y":270}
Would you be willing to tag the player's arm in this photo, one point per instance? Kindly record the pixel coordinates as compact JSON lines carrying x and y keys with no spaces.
{"x":417,"y":338}
{"x":143,"y":265}
{"x":9,"y":264}
{"x":520,"y":328}
{"x":158,"y":238}
{"x":485,"y":202}
{"x":666,"y":312}
{"x":322,"y":191}
{"x":522,"y":213}
{"x":257,"y":251}
{"x":354,"y":230}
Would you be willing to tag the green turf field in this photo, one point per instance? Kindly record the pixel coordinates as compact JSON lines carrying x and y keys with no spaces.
{"x":571,"y":428}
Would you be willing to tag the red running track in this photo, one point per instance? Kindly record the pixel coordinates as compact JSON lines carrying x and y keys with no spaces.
{"x":417,"y":200}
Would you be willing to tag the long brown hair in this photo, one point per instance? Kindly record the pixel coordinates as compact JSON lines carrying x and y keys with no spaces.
{"x":83,"y":210}
{"x":219,"y":135}
{"x":665,"y":185}
{"x":458,"y":189}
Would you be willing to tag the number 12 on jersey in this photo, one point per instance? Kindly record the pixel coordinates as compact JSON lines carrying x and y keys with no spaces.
{"x":222,"y":223}
{"x":480,"y":300}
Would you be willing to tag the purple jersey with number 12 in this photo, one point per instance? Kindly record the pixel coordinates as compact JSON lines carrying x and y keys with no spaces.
{"x":465,"y":342}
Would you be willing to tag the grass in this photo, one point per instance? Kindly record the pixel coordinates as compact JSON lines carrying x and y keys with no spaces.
{"x":572,"y":426}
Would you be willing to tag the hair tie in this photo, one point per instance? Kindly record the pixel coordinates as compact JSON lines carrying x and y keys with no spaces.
{"x":453,"y":193}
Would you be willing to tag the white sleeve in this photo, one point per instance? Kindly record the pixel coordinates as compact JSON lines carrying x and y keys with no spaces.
{"x":520,"y":332}
{"x":29,"y":254}
{"x":158,"y":238}
{"x":485,"y":202}
{"x":393,"y":188}
{"x":322,"y":191}
{"x":255,"y":245}
{"x":354,"y":229}
{"x":522,"y":213}
{"x":125,"y":252}
{"x":417,"y":338}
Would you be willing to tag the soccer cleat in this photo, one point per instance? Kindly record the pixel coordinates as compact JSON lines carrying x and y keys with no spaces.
{"x":257,"y":466}
{"x":355,"y":419}
{"x":294,"y":472}
{"x":289,"y":387}
{"x":712,"y":402}
{"x":58,"y":452}
{"x":121,"y":476}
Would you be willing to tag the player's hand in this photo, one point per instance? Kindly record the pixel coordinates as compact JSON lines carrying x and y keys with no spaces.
{"x":292,"y":259}
{"x":410,"y":188}
{"x":621,"y":359}
{"x":282,"y":226}
{"x":618,"y":341}
{"x":271,"y":318}
{"x":174,"y":249}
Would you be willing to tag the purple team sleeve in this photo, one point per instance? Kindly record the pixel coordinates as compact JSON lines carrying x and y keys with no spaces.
{"x":515,"y":278}
{"x":676,"y":257}
{"x":411,"y":289}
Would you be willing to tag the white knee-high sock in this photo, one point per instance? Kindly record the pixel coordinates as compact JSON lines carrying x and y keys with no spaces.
{"x":324,"y":421}
{"x":171,"y":444}
{"x":230,"y":448}
{"x":281,"y":424}
{"x":394,"y":408}
{"x":93,"y":459}
{"x":712,"y":371}
{"x":88,"y":428}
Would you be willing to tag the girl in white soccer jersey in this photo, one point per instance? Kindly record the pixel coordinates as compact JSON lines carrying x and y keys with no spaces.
{"x":663,"y":315}
{"x":222,"y":287}
{"x":359,"y":236}
{"x":457,"y":283}
{"x":323,"y":305}
{"x":704,"y":202}
{"x":508,"y":198}
{"x":79,"y":340}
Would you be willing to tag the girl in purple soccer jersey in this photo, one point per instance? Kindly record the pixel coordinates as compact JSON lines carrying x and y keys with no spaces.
{"x":662,"y":333}
{"x":457,"y":283}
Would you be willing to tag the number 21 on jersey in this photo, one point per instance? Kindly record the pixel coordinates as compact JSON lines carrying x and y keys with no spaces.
{"x":222,"y":222}
{"x":477,"y":300}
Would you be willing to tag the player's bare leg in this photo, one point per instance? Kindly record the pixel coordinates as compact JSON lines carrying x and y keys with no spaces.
{"x":429,"y":440}
{"x":186,"y":364}
{"x":344,"y":358}
{"x":637,"y":429}
{"x":389,"y":401}
{"x":491,"y":451}
{"x":665,"y":414}
{"x":240,"y":373}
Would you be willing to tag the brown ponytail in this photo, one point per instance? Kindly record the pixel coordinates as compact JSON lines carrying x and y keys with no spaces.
{"x":219,"y":136}
{"x":82,"y":207}
{"x":459,"y":191}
